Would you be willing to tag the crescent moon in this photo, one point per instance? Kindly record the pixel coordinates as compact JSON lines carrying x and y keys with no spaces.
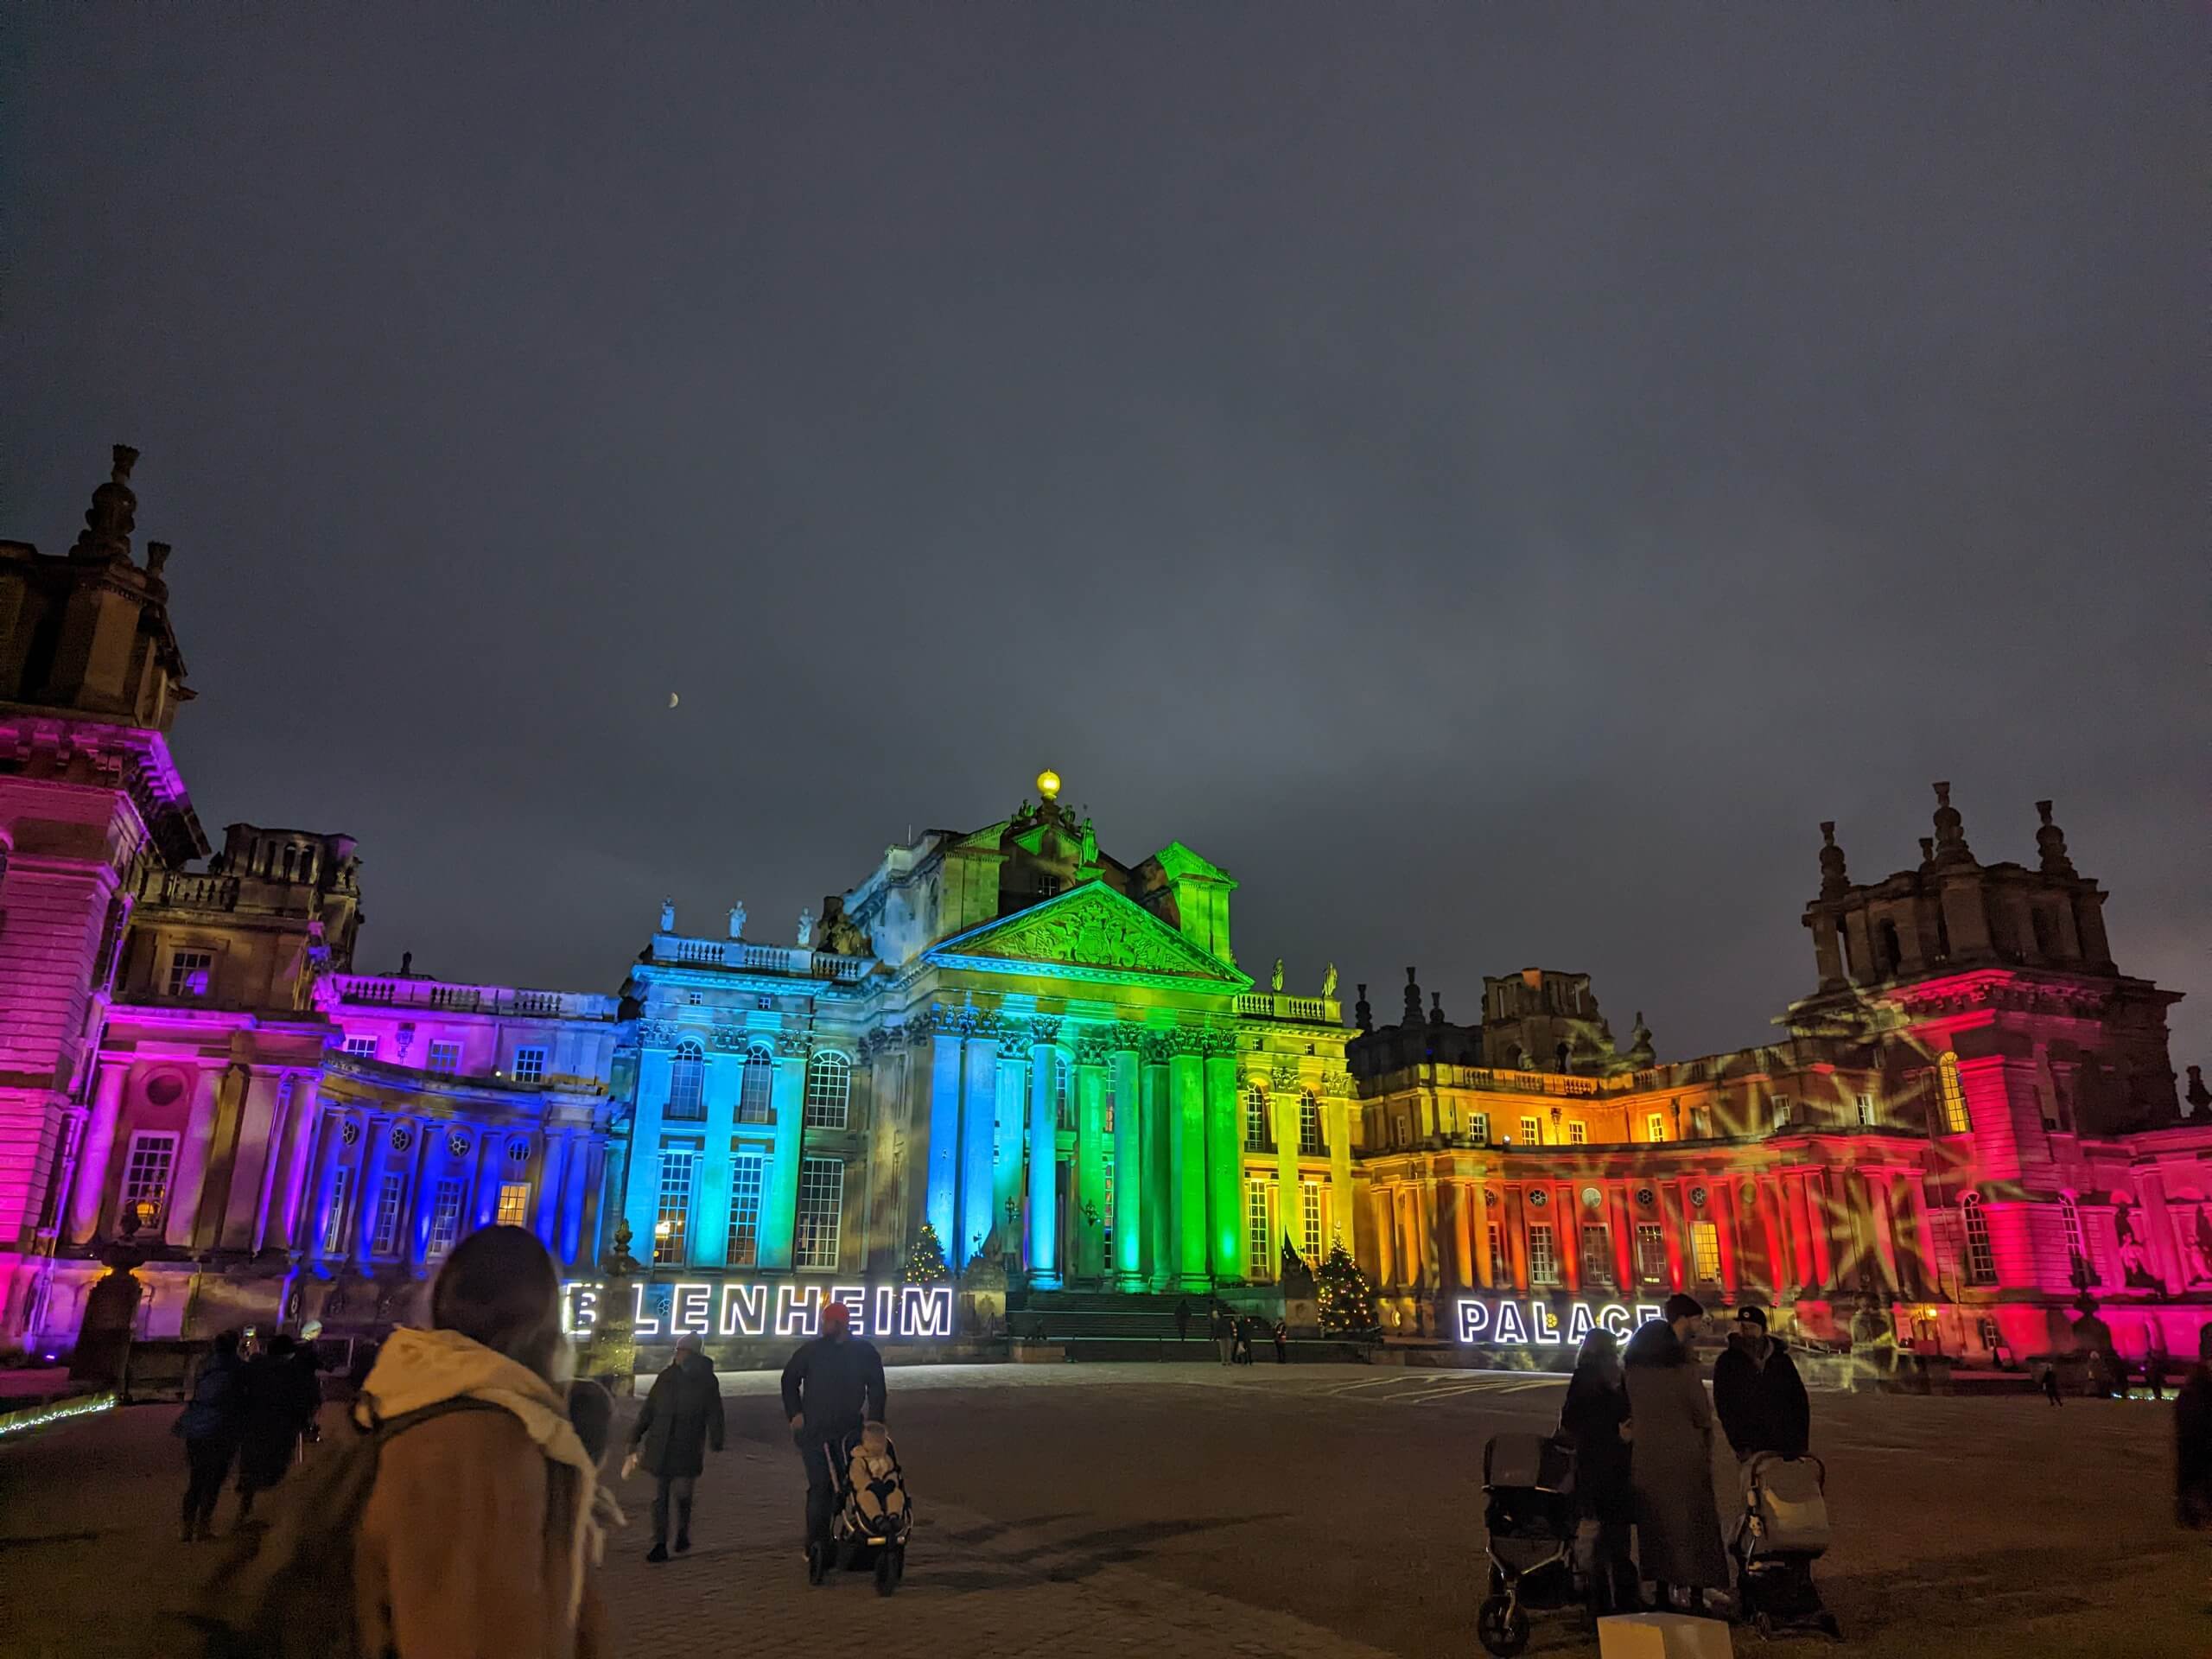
{"x":671,"y":699}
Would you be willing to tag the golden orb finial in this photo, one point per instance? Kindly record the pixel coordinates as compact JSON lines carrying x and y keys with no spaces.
{"x":1048,"y":783}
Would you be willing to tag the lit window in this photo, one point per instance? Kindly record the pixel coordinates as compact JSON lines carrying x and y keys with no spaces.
{"x":1655,"y":1126}
{"x":361,"y":1048}
{"x":1063,"y":1092}
{"x":821,"y":1212}
{"x":1955,"y":1121}
{"x":1256,"y":1138}
{"x":1310,"y":1218}
{"x":391,"y":1199}
{"x":1597,"y":1253}
{"x":445,"y":1216}
{"x":1310,"y":1144}
{"x":190,"y":971}
{"x":1981,"y":1259}
{"x":514,"y":1204}
{"x":1866,"y":1111}
{"x":443,"y":1057}
{"x":673,"y":1211}
{"x":146,"y":1173}
{"x":2078,"y":1240}
{"x":1500,"y":1269}
{"x":1259,"y":1230}
{"x":747,"y":1170}
{"x":1578,"y":1133}
{"x":687,"y":1083}
{"x":1780,"y":1107}
{"x":1705,"y":1249}
{"x":1479,"y":1128}
{"x":1532,"y":1132}
{"x":1650,"y":1253}
{"x":829,"y":1089}
{"x":756,"y":1089}
{"x":333,"y":1219}
{"x":529,"y":1065}
{"x":1543,"y":1254}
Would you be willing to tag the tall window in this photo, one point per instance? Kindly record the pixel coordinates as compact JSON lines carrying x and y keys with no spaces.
{"x":1543,"y":1254}
{"x":687,"y":1083}
{"x":1501,"y":1270}
{"x":189,"y":972}
{"x":756,"y":1089}
{"x":1256,"y":1138}
{"x":679,"y":1168}
{"x":828,"y":1087}
{"x":333,"y":1219}
{"x":361,"y":1048}
{"x":1597,"y":1253}
{"x":1705,"y":1247}
{"x":1578,"y":1133}
{"x":146,"y":1173}
{"x":1981,"y":1261}
{"x":391,"y":1199}
{"x":746,"y":1171}
{"x":1310,"y":1143}
{"x":1866,"y":1111}
{"x":821,"y":1212}
{"x":445,"y":1216}
{"x":443,"y":1057}
{"x":1063,"y":1093}
{"x":1779,"y":1106}
{"x":514,"y":1204}
{"x":1532,"y":1132}
{"x":1655,"y":1126}
{"x":1259,"y":1230}
{"x":2077,"y":1240}
{"x":530,"y":1063}
{"x":1650,"y":1253}
{"x":1479,"y":1128}
{"x":1955,"y":1121}
{"x":1310,"y":1219}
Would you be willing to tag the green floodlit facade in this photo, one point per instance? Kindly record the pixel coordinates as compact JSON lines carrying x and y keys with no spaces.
{"x":1049,"y":1056}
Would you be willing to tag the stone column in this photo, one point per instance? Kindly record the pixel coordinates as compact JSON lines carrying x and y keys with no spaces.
{"x":979,"y":1124}
{"x":1337,"y":1126}
{"x":1381,"y":1203}
{"x":1516,"y":1236}
{"x":1087,"y":1190}
{"x":1129,"y":1172}
{"x":308,"y":1235}
{"x":277,"y":1226}
{"x":244,"y":1167}
{"x":1044,"y":1158}
{"x":1225,"y":1142}
{"x":1163,"y":1194}
{"x":415,"y":1208}
{"x":375,"y":1149}
{"x":1720,"y":1200}
{"x":1816,"y":1229}
{"x":1620,"y":1217}
{"x":779,"y":1202}
{"x":1458,"y":1203}
{"x":1010,"y":1110}
{"x":546,"y":1220}
{"x":191,"y":1174}
{"x":937,"y":1153}
{"x":1777,"y":1249}
{"x":1284,"y":1100}
{"x":1188,"y":1152}
{"x":1487,"y":1267}
{"x":483,"y":1190}
{"x":88,"y":1191}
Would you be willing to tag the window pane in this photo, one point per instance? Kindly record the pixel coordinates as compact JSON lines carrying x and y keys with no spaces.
{"x":529,"y":1065}
{"x":1650,"y":1253}
{"x":362,"y":1047}
{"x":445,"y":1216}
{"x":746,"y":1171}
{"x":687,"y":1081}
{"x":1259,"y":1230}
{"x":147,"y":1173}
{"x":1311,"y":1228}
{"x":1543,"y":1256}
{"x":1955,"y":1121}
{"x":757,"y":1090}
{"x":1597,"y":1253}
{"x":829,"y":1089}
{"x":334,"y":1220}
{"x":1705,"y":1245}
{"x":1256,"y":1138}
{"x":190,"y":971}
{"x":821,"y":1212}
{"x":672,"y":1217}
{"x":514,"y":1204}
{"x":443,"y":1057}
{"x":1309,"y":1128}
{"x":391,"y":1199}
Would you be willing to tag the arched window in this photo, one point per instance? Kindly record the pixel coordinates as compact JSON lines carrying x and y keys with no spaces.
{"x":829,"y":1087}
{"x":1892,"y":953}
{"x":1063,"y":1093}
{"x":1981,"y":1261}
{"x":1953,"y":1102}
{"x":687,"y":1083}
{"x":1256,"y":1138}
{"x":756,"y":1089}
{"x":1310,"y":1144}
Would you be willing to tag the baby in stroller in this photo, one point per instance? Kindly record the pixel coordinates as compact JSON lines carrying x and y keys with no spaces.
{"x":1528,"y":1480}
{"x":873,"y":1518}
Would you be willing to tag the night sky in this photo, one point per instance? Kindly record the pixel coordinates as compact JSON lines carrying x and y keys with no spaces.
{"x":1493,"y":478}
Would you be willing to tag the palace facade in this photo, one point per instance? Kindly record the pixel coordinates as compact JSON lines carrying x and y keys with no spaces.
{"x":1047,"y":1055}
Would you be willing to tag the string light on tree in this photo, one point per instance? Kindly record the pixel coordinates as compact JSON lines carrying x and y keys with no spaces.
{"x":925,"y":1261}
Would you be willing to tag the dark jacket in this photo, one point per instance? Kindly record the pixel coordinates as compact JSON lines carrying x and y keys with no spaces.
{"x":1677,"y":1520}
{"x":281,"y":1394}
{"x":217,"y":1408}
{"x":1591,"y":1418}
{"x":2193,"y":1449}
{"x":681,"y":1417}
{"x":1762,"y":1405}
{"x":835,"y":1383}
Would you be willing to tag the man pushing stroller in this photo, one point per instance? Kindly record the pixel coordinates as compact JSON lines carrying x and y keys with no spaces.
{"x":832,"y":1386}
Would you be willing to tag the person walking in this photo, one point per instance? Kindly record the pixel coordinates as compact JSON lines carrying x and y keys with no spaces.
{"x":1281,"y":1334}
{"x":1224,"y":1333}
{"x":482,"y":1533}
{"x":2051,"y":1386}
{"x":832,"y":1387}
{"x":1183,"y":1320}
{"x":1594,"y":1420}
{"x":2193,"y":1439}
{"x":1241,"y":1339}
{"x":681,"y":1416}
{"x":1677,"y":1522}
{"x":280,"y":1398}
{"x":209,"y":1426}
{"x":1758,"y":1393}
{"x":2158,"y":1365}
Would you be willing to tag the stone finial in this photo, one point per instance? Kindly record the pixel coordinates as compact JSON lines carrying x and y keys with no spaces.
{"x":1950,"y":831}
{"x":1641,"y":1054}
{"x":1412,"y":998}
{"x":2051,"y":841}
{"x":1927,"y":851}
{"x":1436,"y":1008}
{"x":114,"y":512}
{"x":2198,"y":1096}
{"x":1361,"y":1013}
{"x":157,"y":555}
{"x":1834,"y":882}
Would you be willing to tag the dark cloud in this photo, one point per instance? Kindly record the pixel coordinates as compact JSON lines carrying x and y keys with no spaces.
{"x":1493,"y":478}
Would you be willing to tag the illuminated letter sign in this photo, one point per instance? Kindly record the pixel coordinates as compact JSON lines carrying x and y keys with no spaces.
{"x":1474,"y":1320}
{"x":740,"y":1308}
{"x":797,"y":1316}
{"x":639,"y":1324}
{"x":1536,"y":1322}
{"x":925,"y":1311}
{"x":856,"y":1297}
{"x":1578,"y":1323}
{"x":579,"y":1309}
{"x":745,"y":1310}
{"x":1510,"y":1326}
{"x":689,"y":1306}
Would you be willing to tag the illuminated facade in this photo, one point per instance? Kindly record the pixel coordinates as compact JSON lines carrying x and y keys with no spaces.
{"x":1971,"y":1123}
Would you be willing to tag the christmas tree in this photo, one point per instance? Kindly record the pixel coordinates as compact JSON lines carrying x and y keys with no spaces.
{"x":1347,"y":1299}
{"x":925,"y":1261}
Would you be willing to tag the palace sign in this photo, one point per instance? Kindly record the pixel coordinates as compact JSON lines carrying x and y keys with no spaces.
{"x":1536,"y":1324}
{"x":736,"y":1309}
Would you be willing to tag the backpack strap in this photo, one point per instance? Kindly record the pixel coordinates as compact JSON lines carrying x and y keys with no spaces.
{"x":384,"y":1428}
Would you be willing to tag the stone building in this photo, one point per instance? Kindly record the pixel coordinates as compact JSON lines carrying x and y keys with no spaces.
{"x":1969,"y":1126}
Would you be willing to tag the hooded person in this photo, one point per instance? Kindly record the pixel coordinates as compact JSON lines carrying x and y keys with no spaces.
{"x":832,"y":1387}
{"x":681,"y":1416}
{"x":2193,"y":1439}
{"x":1595,"y":1420}
{"x":1678,"y":1522}
{"x":1758,"y":1394}
{"x":481,"y":1536}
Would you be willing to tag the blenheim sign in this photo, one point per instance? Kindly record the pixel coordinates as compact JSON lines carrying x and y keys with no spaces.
{"x":733,"y":1308}
{"x":1537,"y":1324}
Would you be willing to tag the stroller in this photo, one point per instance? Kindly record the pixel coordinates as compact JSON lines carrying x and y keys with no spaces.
{"x":1529,"y":1480}
{"x":868,"y":1531}
{"x":1783,"y":1531}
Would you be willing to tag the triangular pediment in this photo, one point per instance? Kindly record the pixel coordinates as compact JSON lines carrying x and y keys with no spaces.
{"x":1089,"y":932}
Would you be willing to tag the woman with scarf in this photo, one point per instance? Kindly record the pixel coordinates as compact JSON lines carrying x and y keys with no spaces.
{"x":481,"y":1538}
{"x":1595,"y":1420}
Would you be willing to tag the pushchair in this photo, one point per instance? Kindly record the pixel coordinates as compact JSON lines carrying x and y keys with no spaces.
{"x":869,"y":1527}
{"x":1528,"y":1481}
{"x":1783,"y":1530}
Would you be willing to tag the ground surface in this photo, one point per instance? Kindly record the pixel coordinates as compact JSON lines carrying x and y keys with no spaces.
{"x":1076,"y":1510}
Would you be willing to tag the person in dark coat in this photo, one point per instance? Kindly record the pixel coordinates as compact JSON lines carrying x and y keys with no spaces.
{"x":1183,"y":1320}
{"x":681,"y":1416}
{"x":2193,"y":1439}
{"x":279,"y":1398}
{"x":1221,"y":1327}
{"x":2051,"y":1386}
{"x":1594,"y":1420}
{"x":209,"y":1427}
{"x":1677,"y":1522}
{"x":1758,"y":1394}
{"x":1241,"y":1345}
{"x":1281,"y":1334}
{"x":832,"y":1386}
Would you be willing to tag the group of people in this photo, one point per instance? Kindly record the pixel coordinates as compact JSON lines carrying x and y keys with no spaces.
{"x":1233,"y":1333}
{"x":1642,"y":1427}
{"x":251,"y":1409}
